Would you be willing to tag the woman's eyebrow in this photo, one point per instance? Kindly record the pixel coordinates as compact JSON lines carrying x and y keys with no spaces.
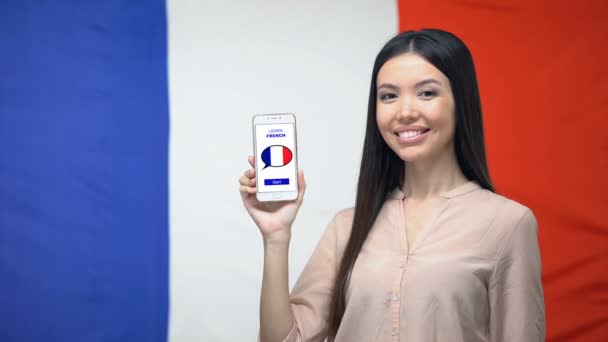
{"x":426,"y":81}
{"x":388,"y":86}
{"x":417,"y":85}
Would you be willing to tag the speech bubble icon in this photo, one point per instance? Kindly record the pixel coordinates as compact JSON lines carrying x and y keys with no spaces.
{"x":276,"y":156}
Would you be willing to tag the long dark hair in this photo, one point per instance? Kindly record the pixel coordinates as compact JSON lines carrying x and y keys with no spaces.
{"x":382,"y":170}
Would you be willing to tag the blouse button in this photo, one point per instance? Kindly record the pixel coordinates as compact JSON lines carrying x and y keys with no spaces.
{"x":402,"y":265}
{"x":395,"y":332}
{"x":395,"y":298}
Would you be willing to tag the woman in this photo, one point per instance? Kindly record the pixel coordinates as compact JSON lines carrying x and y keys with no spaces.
{"x":429,"y":252}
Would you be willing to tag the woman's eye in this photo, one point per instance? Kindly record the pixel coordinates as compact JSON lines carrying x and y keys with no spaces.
{"x":428,"y":93}
{"x":387,"y":96}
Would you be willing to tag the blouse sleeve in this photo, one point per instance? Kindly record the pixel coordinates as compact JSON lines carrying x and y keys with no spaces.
{"x":311,"y":295}
{"x":515,"y":289}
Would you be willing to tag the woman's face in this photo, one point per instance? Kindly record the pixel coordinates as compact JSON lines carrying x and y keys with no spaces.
{"x":415,"y":109}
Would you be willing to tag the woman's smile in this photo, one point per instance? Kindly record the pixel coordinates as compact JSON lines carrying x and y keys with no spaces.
{"x":411,"y":135}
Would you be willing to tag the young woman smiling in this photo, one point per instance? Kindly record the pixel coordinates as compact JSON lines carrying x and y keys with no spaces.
{"x":429,"y":252}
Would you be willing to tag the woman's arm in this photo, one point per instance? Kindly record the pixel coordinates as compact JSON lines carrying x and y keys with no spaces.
{"x":274,"y":220}
{"x":516,"y":292}
{"x":276,"y":317}
{"x":309,"y":301}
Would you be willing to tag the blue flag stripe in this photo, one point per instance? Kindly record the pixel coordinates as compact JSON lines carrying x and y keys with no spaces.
{"x":84,"y":128}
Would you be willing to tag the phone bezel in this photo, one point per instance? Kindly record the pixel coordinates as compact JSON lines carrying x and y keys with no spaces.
{"x":275,"y":118}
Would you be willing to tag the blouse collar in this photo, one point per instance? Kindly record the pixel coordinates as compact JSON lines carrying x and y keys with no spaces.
{"x":460,"y":190}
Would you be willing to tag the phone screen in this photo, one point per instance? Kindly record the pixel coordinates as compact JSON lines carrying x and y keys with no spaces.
{"x":276,"y":157}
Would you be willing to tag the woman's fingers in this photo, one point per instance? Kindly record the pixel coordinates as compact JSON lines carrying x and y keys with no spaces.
{"x":247,"y":190}
{"x":249,"y":173}
{"x":245,"y":180}
{"x":301,"y":185}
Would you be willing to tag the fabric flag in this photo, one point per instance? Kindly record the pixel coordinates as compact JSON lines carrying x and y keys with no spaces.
{"x":124,"y":127}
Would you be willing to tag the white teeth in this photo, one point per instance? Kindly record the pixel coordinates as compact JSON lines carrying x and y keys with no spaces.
{"x":410,"y":134}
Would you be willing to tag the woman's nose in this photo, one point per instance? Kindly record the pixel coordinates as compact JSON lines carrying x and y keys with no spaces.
{"x":407,"y":110}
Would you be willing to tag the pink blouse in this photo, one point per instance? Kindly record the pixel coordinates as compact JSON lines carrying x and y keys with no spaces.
{"x":472,"y":274}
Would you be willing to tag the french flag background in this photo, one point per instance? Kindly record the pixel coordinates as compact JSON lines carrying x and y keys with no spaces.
{"x":124,"y":126}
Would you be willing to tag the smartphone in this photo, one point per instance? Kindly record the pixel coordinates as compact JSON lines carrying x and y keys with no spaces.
{"x":276,"y":158}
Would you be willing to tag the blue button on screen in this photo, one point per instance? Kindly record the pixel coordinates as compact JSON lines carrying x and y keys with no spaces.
{"x":277,"y":181}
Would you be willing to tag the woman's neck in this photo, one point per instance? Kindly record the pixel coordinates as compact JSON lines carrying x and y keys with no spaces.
{"x":428,"y":179}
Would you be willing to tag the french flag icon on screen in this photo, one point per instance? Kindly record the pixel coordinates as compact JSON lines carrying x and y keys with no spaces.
{"x":276,"y":156}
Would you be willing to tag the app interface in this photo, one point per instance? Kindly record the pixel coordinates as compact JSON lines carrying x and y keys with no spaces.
{"x":275,"y":159}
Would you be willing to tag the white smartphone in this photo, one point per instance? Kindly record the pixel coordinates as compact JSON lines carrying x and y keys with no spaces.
{"x":276,"y":161}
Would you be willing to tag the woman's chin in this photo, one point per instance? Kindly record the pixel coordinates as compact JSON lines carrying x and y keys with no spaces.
{"x":412,"y":157}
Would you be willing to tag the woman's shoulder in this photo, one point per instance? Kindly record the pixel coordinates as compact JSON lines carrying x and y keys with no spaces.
{"x":345,"y":216}
{"x":505,"y":213}
{"x":500,"y":219}
{"x":505,"y":206}
{"x":340,"y":225}
{"x":343,"y":220}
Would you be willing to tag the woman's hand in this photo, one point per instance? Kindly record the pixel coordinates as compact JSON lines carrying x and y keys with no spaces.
{"x":274,"y":219}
